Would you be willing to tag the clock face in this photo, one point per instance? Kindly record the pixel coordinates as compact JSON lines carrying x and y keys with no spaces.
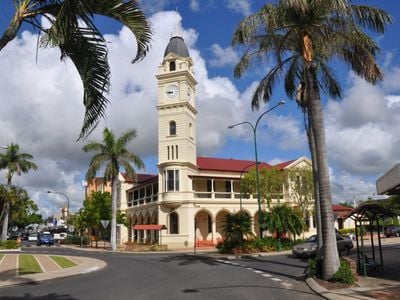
{"x":172,"y":91}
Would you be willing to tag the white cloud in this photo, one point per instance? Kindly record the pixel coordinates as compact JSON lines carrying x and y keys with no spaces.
{"x":223,"y":56}
{"x":240,"y":6}
{"x":362,"y":130}
{"x":194,"y":5}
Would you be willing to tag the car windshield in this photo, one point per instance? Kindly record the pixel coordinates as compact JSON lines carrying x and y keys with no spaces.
{"x":46,"y":235}
{"x":312,"y":238}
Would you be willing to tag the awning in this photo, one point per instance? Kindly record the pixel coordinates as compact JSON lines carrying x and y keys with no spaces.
{"x":148,"y":227}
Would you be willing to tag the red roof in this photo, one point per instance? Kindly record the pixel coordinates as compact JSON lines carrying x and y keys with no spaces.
{"x":228,"y":165}
{"x":283,"y":165}
{"x":148,"y":227}
{"x":338,"y":207}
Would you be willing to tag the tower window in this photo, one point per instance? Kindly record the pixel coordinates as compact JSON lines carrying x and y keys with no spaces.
{"x":172,"y":66}
{"x":176,"y":153}
{"x":172,"y":128}
{"x":172,"y":180}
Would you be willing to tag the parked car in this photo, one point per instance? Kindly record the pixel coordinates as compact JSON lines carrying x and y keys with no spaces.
{"x":45,"y":239}
{"x":309,"y":247}
{"x":32,"y":237}
{"x":392,"y":231}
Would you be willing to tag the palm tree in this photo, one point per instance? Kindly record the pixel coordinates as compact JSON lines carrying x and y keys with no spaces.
{"x":113,"y":154}
{"x":73,"y":31}
{"x":282,"y":219}
{"x":237,"y":228}
{"x":15,"y":163}
{"x":303,"y":36}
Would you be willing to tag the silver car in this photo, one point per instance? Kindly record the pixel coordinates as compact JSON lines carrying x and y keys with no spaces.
{"x":309,"y":247}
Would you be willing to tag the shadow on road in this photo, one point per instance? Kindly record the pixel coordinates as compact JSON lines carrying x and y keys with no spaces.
{"x":187,"y":259}
{"x":29,"y":296}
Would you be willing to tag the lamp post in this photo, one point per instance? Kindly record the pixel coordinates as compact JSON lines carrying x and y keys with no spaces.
{"x":240,"y":183}
{"x":254,"y":128}
{"x":66,"y":197}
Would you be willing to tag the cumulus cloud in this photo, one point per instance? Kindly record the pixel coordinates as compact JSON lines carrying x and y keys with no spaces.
{"x":223,"y":56}
{"x":240,"y":6}
{"x":42,"y":108}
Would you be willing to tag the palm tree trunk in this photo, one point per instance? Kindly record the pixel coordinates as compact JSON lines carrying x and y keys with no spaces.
{"x":4,"y":228}
{"x":114,"y":214}
{"x":330,"y":263}
{"x":317,"y":205}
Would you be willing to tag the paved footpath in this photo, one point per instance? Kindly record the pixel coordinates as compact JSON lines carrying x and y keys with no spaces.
{"x":9,"y":265}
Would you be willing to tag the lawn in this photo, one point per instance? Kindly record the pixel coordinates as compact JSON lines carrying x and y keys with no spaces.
{"x":28,"y":264}
{"x":63,"y":262}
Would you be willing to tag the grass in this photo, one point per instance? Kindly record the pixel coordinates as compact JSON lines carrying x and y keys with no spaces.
{"x":28,"y":264}
{"x":63,"y":262}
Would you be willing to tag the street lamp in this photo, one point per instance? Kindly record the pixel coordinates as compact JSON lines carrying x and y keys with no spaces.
{"x":240,"y":183}
{"x":254,"y":127}
{"x":66,"y":197}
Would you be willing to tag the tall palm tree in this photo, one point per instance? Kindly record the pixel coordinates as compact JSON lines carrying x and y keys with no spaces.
{"x":15,"y":163}
{"x":303,"y":37}
{"x":112,"y":154}
{"x":73,"y":31}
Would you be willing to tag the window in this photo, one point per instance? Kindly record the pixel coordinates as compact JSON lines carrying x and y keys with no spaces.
{"x":172,"y":66}
{"x":172,"y":180}
{"x":172,"y":128}
{"x":209,"y":186}
{"x":176,"y":152}
{"x":168,"y":151}
{"x":191,"y":130}
{"x":173,"y":223}
{"x":227,"y":186}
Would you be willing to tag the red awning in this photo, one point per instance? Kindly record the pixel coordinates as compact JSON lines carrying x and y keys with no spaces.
{"x":149,"y":227}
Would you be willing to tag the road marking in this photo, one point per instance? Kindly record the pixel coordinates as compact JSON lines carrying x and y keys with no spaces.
{"x":266,"y":275}
{"x":276,"y":279}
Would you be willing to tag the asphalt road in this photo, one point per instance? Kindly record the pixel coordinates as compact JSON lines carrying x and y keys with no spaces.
{"x":172,"y":276}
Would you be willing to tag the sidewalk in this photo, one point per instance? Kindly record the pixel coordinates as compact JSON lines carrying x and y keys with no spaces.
{"x":385,"y":286}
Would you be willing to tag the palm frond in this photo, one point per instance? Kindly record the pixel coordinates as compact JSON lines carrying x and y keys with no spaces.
{"x":372,"y":18}
{"x":129,"y":14}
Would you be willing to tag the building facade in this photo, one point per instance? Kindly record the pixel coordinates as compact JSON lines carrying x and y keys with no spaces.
{"x":190,"y":196}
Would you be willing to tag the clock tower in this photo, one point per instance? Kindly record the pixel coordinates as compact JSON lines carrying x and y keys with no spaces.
{"x":176,"y":116}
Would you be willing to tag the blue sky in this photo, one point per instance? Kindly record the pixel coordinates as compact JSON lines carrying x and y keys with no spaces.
{"x":42,"y":107}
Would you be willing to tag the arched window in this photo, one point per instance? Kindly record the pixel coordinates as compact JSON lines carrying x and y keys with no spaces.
{"x":173,"y":223}
{"x":172,"y":128}
{"x":172,"y":66}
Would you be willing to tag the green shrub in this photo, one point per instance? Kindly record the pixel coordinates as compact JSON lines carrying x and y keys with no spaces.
{"x":315,"y":267}
{"x":344,"y":274}
{"x":10,"y":244}
{"x":346,"y":231}
{"x":77,"y":240}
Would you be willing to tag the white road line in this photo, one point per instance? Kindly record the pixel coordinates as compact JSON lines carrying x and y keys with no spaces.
{"x":276,"y":279}
{"x":266,"y":275}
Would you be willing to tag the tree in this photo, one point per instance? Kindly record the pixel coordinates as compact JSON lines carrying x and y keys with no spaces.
{"x":113,"y":154}
{"x":301,"y":185}
{"x":271,"y":184}
{"x":282,"y":219}
{"x":73,"y":31}
{"x":237,"y":228}
{"x":303,"y":36}
{"x":15,"y":163}
{"x":96,"y":208}
{"x":24,"y":210}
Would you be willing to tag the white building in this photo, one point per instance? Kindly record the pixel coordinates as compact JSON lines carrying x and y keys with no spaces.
{"x":191,"y":195}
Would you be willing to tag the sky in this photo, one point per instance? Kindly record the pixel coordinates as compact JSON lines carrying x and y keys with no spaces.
{"x":42,"y":109}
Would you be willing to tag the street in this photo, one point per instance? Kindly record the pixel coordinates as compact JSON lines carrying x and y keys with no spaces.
{"x":172,"y":276}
